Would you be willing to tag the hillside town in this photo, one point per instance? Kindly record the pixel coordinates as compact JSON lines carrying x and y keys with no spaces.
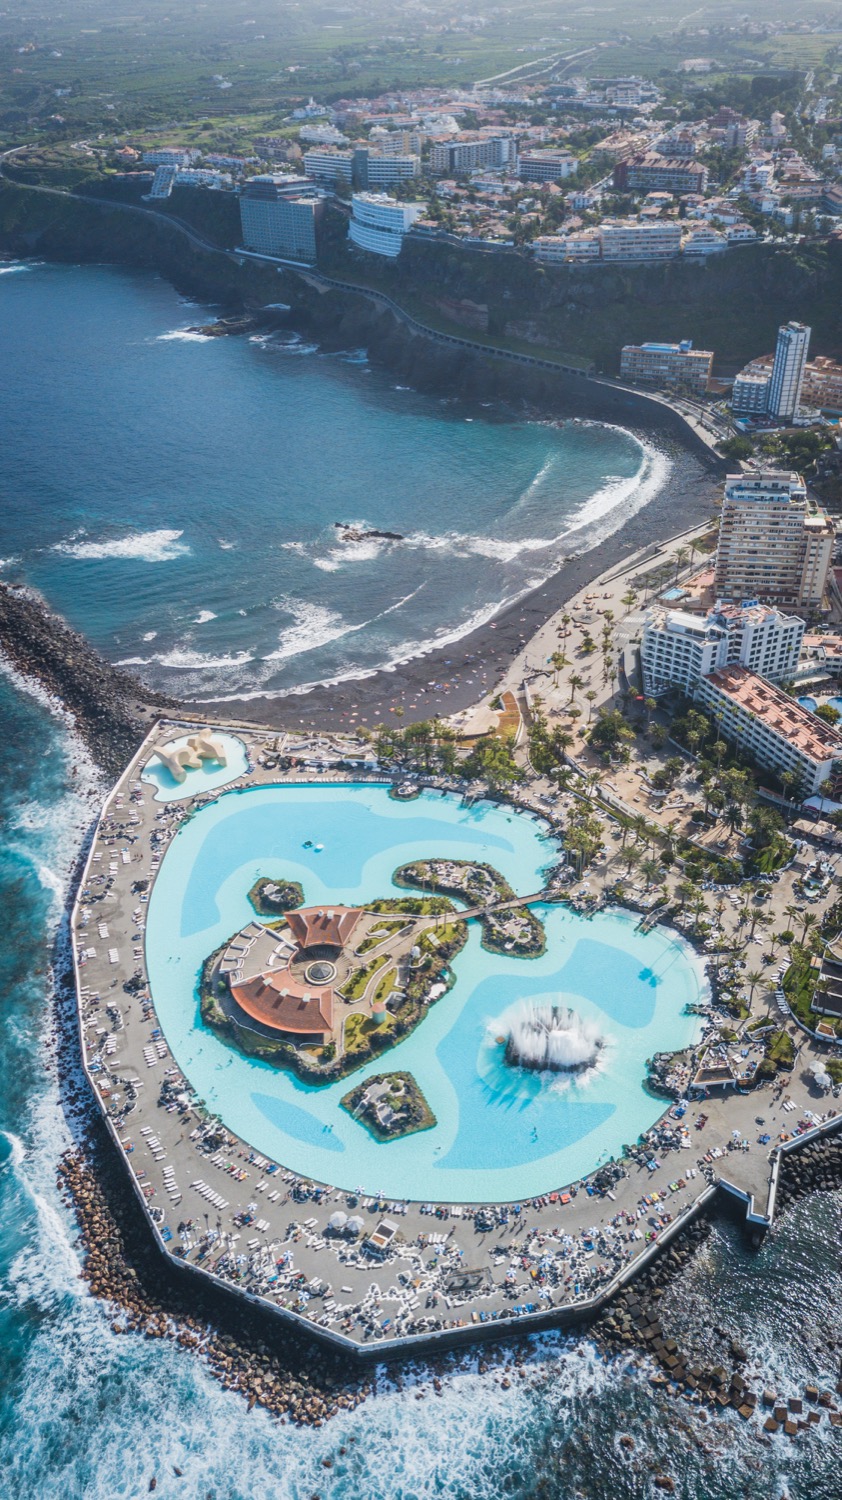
{"x":597,"y":169}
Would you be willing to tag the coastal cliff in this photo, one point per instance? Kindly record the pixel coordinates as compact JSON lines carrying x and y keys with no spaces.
{"x":729,"y":303}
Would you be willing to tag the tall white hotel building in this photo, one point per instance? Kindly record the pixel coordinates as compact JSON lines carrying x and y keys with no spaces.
{"x":788,"y":370}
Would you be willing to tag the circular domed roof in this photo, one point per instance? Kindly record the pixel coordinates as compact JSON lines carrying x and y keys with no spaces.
{"x":320,"y":972}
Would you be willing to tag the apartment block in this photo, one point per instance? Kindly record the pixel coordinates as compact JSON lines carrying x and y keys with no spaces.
{"x":333,"y":168}
{"x":648,"y":172}
{"x":772,"y":728}
{"x":667,"y":364}
{"x":774,"y":544}
{"x":379,"y":223}
{"x":372,"y":170}
{"x":452,"y":158}
{"x":555,"y":249}
{"x":822,"y":386}
{"x":631,"y":241}
{"x":787,"y":376}
{"x":678,"y":648}
{"x":750,"y":395}
{"x":170,"y":157}
{"x":546,"y":166}
{"x":281,"y":216}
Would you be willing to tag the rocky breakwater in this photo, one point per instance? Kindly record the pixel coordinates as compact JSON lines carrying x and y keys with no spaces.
{"x":290,"y":1377}
{"x":816,"y":1168}
{"x":635,"y":1319}
{"x":110,"y":708}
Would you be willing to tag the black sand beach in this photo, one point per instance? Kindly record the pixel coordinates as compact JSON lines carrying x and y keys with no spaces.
{"x":453,"y":677}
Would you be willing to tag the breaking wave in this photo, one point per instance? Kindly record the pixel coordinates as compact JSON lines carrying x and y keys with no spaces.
{"x":162,"y":545}
{"x":184,"y":335}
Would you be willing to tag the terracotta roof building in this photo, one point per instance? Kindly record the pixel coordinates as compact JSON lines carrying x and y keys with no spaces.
{"x":259,"y":965}
{"x":323,"y":927}
{"x":285,"y":1005}
{"x":774,"y":729}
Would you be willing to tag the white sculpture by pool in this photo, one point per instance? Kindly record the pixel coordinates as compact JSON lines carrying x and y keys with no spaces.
{"x":181,"y":759}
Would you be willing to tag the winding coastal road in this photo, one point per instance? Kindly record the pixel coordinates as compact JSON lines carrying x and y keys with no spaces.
{"x":696,"y":423}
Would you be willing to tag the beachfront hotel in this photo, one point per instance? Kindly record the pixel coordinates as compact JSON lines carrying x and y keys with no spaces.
{"x":772,"y":728}
{"x":774,"y":543}
{"x":679,"y":648}
{"x":667,"y":364}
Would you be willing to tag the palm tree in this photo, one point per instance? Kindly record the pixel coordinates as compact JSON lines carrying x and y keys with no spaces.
{"x":558,"y":660}
{"x":591,"y":697}
{"x":686,"y":891}
{"x":641,"y":828}
{"x":652,"y":870}
{"x":632,"y":857}
{"x":575,"y":683}
{"x":699,"y":909}
{"x":753,"y":979}
{"x":680,"y":560}
{"x":788,"y":780}
{"x":808,"y":920}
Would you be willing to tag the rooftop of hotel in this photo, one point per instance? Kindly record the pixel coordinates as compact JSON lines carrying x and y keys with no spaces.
{"x":778,"y":712}
{"x":717,"y":618}
{"x":758,"y":481}
{"x":831,"y":645}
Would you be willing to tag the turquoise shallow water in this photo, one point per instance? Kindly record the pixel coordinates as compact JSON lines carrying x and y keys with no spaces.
{"x":501,"y":1134}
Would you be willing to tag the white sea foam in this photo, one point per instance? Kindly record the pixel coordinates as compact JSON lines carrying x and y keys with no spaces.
{"x":149,"y":635}
{"x":184,"y":335}
{"x":10,"y":270}
{"x":226,"y":546}
{"x":162,"y":545}
{"x":294,"y":344}
{"x":204,"y":616}
{"x":184,"y":659}
{"x":313,"y":625}
{"x":622,"y":497}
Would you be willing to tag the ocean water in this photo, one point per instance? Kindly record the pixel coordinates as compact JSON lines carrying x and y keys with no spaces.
{"x":138,"y":491}
{"x":87,"y":1415}
{"x":176,"y":497}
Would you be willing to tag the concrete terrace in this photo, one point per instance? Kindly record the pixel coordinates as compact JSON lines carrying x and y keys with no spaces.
{"x":431,"y":1273}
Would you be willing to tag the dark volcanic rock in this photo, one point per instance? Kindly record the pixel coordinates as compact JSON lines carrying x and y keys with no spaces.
{"x":109,"y":707}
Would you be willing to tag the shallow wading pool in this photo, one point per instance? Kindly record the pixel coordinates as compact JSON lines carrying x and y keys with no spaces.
{"x":501,"y":1134}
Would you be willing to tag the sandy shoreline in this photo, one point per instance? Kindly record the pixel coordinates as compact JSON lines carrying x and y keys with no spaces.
{"x":448,"y":679}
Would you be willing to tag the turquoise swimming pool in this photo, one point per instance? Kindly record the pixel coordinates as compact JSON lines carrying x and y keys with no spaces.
{"x":501,"y":1134}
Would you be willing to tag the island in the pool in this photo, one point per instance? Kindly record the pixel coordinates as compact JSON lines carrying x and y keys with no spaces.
{"x":391,"y":1105}
{"x":323,"y":989}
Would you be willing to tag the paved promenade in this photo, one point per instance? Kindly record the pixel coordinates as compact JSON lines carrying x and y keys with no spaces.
{"x":218,"y":1206}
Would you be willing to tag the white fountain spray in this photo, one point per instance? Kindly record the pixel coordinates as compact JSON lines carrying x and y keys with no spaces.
{"x":552,"y":1038}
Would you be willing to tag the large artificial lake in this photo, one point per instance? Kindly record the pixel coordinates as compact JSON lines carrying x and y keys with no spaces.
{"x":501,"y":1134}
